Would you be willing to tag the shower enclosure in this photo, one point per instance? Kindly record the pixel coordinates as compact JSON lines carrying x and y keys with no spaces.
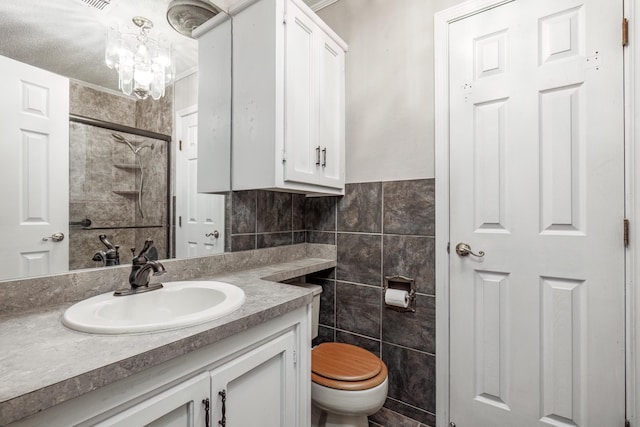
{"x":118,"y":187}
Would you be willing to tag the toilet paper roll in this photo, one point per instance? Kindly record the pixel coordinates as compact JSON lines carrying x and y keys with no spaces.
{"x":396,"y":298}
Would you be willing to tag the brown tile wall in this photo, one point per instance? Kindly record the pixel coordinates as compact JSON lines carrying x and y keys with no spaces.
{"x":156,"y":116}
{"x":382,"y":229}
{"x":259,"y":219}
{"x":89,"y":102}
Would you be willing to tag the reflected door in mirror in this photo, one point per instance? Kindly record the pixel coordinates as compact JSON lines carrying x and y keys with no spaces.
{"x":34,"y":131}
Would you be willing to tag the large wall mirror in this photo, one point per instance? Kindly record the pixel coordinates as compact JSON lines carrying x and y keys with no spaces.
{"x":125,"y":176}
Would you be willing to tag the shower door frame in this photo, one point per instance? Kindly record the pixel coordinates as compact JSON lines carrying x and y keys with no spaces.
{"x":74,"y":118}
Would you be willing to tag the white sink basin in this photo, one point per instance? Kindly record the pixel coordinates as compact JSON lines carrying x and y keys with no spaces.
{"x":176,"y":305}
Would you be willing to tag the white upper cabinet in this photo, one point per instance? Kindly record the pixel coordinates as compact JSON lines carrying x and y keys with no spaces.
{"x":214,"y":105}
{"x":331,"y":112}
{"x":288,"y":74}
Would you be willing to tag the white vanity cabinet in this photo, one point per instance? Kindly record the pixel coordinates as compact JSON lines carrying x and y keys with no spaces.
{"x":181,"y":405}
{"x":258,"y":388}
{"x":264,"y":372}
{"x":287,"y":103}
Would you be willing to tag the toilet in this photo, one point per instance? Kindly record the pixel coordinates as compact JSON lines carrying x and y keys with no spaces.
{"x":348,"y":383}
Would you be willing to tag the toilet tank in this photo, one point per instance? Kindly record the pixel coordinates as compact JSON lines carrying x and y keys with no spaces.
{"x":317,"y":290}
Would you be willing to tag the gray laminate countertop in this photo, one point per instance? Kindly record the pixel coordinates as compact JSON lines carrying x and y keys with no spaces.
{"x":43,"y":363}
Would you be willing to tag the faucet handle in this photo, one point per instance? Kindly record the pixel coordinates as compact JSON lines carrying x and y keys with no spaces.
{"x":103,"y":239}
{"x":147,"y":245}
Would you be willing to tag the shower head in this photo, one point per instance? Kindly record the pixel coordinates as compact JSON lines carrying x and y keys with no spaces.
{"x":124,"y":140}
{"x":145,"y":145}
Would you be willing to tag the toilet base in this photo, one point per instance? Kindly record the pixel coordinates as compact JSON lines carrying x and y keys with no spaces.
{"x":320,"y":418}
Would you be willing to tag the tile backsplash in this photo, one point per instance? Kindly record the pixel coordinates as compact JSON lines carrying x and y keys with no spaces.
{"x":264,"y":219}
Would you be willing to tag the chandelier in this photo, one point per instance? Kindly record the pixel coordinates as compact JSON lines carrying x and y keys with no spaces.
{"x":143,"y":64}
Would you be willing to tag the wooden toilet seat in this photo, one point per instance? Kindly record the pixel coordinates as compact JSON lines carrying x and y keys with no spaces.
{"x":346,"y":367}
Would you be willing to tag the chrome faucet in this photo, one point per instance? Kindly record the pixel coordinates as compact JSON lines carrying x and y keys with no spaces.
{"x":141,"y":271}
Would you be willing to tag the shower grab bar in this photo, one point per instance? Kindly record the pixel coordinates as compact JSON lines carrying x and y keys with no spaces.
{"x":124,"y":227}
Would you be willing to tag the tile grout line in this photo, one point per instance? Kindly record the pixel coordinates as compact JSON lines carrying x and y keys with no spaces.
{"x":411,"y":406}
{"x":337,"y":329}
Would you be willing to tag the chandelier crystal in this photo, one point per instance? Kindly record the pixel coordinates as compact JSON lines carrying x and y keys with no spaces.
{"x":143,"y":64}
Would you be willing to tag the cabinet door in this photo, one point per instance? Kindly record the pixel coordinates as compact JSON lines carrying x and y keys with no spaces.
{"x":331,"y":112}
{"x":178,"y":406}
{"x":301,"y":94}
{"x":259,"y":387}
{"x":214,"y":110}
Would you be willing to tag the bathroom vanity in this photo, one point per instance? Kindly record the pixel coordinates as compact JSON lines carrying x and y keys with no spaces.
{"x":251,"y":367}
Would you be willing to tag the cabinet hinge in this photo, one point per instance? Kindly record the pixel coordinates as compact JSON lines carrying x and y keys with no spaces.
{"x":180,"y":221}
{"x":625,"y":32}
{"x":295,"y":357}
{"x":180,"y":145}
{"x":284,"y":18}
{"x":625,"y":237}
{"x":284,"y":156}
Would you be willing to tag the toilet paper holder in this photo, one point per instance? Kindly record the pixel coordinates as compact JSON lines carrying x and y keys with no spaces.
{"x":401,"y":283}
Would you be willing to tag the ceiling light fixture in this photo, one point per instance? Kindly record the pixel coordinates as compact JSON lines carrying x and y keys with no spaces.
{"x":143,"y":64}
{"x":187,"y":15}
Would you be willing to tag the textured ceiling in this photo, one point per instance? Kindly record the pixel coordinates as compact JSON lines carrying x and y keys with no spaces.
{"x":67,"y":36}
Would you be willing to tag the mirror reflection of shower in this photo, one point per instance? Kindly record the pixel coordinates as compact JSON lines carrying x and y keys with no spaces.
{"x":107,"y":195}
{"x":135,"y":149}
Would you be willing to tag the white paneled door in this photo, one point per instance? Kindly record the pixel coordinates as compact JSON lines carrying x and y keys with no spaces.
{"x":34,"y":160}
{"x":199,"y":217}
{"x":537,"y":184}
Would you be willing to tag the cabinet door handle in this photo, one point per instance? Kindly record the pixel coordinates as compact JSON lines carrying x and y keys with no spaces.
{"x":318,"y":155}
{"x":205,"y":402}
{"x":223,"y":420}
{"x":324,"y":157}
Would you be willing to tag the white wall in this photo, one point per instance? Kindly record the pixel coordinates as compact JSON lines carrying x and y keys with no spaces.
{"x":390,"y":115}
{"x":185,"y":92}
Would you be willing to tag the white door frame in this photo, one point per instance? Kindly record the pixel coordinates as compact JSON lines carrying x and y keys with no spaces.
{"x":442,"y":20}
{"x":176,"y":184}
{"x":632,"y":183}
